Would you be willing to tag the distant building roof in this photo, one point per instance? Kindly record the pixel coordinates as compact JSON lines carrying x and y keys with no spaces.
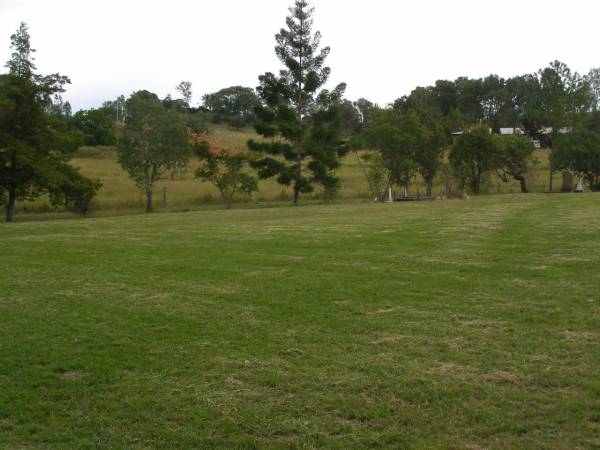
{"x":460,"y":133}
{"x":511,"y":131}
{"x":550,"y":130}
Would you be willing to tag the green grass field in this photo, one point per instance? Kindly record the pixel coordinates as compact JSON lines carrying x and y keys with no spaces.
{"x":120,"y":193}
{"x":452,"y":325}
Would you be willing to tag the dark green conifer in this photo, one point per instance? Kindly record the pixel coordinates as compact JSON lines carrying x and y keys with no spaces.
{"x":299,"y":118}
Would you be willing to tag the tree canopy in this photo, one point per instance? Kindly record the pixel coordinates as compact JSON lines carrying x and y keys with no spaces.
{"x":97,"y":126}
{"x":233,"y":105}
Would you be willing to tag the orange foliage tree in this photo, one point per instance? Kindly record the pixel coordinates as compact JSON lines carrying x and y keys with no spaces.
{"x":223,"y":167}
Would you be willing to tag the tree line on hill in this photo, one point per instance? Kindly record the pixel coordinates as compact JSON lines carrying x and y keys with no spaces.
{"x":233,"y":106}
{"x":451,"y":128}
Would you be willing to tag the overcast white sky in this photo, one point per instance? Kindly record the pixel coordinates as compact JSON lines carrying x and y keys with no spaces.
{"x":381,"y":48}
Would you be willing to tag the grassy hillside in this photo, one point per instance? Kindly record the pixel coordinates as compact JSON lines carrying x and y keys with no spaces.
{"x":434,"y":325}
{"x":183,"y":191}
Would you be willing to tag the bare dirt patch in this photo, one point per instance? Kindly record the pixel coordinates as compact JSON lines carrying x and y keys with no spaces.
{"x":71,"y":375}
{"x":502,"y":376}
{"x":391,"y":340}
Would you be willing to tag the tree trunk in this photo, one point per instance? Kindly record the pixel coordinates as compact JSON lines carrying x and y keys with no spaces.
{"x":297,"y":184}
{"x":429,"y":188}
{"x":149,"y":181}
{"x":591,"y":182}
{"x":10,"y":209}
{"x":521,"y":179}
{"x":550,"y":182}
{"x":476,"y":184}
{"x":149,"y":204}
{"x":388,"y":188}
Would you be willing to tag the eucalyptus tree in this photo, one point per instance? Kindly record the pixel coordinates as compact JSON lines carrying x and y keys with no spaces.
{"x":579,"y":151}
{"x":593,"y":82}
{"x":364,"y":108}
{"x":185,"y":90}
{"x":154,"y":142}
{"x":115,"y":108}
{"x":430,"y":152}
{"x":97,"y":126}
{"x":233,"y":105}
{"x":562,"y":95}
{"x":473,"y":155}
{"x":299,"y":117}
{"x":397,"y":136}
{"x":513,"y":156}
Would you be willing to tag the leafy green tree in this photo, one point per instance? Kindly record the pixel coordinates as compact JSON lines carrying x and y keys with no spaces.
{"x":523,"y":107}
{"x":397,"y":137}
{"x":59,"y":108}
{"x":195,"y":118}
{"x":225,"y":169}
{"x":69,"y":188}
{"x":300,"y":118}
{"x":233,"y":105}
{"x":514,"y":154}
{"x":494,"y":100}
{"x":563,"y":94}
{"x":364,"y":108}
{"x":446,"y":96}
{"x":430,"y":152}
{"x":454,"y":121}
{"x":579,"y":151}
{"x":21,"y":63}
{"x":185,"y":90}
{"x":429,"y":134}
{"x":593,"y":83}
{"x":98,"y":128}
{"x":473,"y":155}
{"x":154,"y":141}
{"x":35,"y":147}
{"x":175,"y":104}
{"x":350,"y":118}
{"x":197,"y":121}
{"x":421,"y":99}
{"x":376,"y":172}
{"x":469,"y":99}
{"x":115,"y":109}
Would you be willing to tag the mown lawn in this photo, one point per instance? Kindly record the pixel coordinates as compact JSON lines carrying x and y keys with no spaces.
{"x":469,"y":324}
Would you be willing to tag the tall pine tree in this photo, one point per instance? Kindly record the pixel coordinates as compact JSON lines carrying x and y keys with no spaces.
{"x":34,"y":146}
{"x":299,"y":118}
